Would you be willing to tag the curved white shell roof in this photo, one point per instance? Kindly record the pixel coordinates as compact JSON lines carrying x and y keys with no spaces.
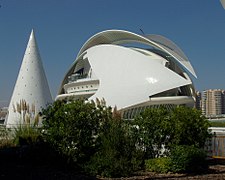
{"x":131,"y":76}
{"x":157,"y":41}
{"x":125,"y":75}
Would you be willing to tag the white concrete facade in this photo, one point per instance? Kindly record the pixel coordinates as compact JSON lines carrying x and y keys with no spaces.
{"x":31,"y":92}
{"x":127,"y":75}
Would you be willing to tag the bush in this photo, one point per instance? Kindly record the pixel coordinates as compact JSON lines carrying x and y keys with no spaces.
{"x":98,"y":141}
{"x":152,"y":130}
{"x":117,"y":155}
{"x":188,"y":159}
{"x":158,"y":130}
{"x":182,"y":159}
{"x":26,"y":135}
{"x":5,"y":140}
{"x":71,"y":127}
{"x":91,"y":137}
{"x":216,"y":124}
{"x":190,"y":127}
{"x":159,"y":165}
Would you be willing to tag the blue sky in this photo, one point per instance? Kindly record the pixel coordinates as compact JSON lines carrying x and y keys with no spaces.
{"x":63,"y":26}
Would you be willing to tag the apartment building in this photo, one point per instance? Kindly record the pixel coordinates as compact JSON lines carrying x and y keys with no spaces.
{"x":212,"y":102}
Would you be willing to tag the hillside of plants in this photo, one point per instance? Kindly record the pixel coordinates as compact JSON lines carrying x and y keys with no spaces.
{"x":94,"y":140}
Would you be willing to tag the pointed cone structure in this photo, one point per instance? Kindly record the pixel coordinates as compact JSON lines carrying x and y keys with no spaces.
{"x":31,"y":92}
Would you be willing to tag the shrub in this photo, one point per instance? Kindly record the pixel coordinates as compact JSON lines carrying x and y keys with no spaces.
{"x":26,"y":135}
{"x":158,"y":130}
{"x":71,"y":127}
{"x":216,"y":124}
{"x":183,"y":158}
{"x":159,"y":165}
{"x":91,"y":137}
{"x":190,"y":127}
{"x":117,"y":155}
{"x":101,"y":143}
{"x":188,"y":159}
{"x":5,"y":139}
{"x":152,"y":130}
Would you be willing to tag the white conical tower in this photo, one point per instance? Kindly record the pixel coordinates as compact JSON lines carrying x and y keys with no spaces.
{"x":31,"y":92}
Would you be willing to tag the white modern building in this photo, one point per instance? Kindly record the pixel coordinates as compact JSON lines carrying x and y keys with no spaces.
{"x":31,"y":92}
{"x":130,"y":71}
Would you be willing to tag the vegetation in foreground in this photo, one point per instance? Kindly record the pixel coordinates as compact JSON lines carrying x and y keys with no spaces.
{"x":91,"y":138}
{"x":217,"y":124}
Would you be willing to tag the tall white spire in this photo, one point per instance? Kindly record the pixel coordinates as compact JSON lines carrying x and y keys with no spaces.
{"x":31,"y":92}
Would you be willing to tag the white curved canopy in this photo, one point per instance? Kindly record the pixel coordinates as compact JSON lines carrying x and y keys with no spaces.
{"x":156,"y":41}
{"x":123,"y":72}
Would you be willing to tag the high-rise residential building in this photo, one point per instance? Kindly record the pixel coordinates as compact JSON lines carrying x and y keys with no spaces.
{"x":212,"y":102}
{"x":223,"y":101}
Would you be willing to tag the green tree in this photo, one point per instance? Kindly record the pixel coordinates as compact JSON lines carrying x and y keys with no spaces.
{"x":190,"y":127}
{"x":158,"y":130}
{"x":117,"y":155}
{"x":72,"y":127}
{"x":186,"y":158}
{"x":152,"y":130}
{"x":92,"y":136}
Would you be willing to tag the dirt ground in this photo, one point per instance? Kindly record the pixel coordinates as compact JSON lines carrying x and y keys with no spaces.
{"x":215,"y":172}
